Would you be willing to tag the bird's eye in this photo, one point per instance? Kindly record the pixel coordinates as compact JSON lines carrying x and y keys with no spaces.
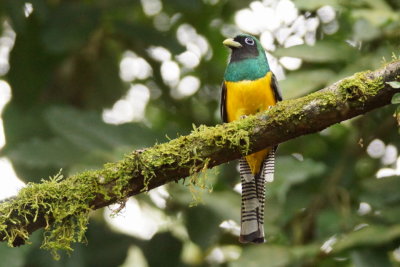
{"x":249,"y":41}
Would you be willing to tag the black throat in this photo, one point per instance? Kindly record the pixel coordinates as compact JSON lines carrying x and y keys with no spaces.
{"x":245,"y":52}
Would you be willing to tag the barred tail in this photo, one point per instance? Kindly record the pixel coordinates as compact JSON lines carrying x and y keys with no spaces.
{"x":253,"y":199}
{"x":269,"y":166}
{"x":250,"y":230}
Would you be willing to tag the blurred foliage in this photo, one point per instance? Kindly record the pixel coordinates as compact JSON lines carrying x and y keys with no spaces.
{"x":64,"y":71}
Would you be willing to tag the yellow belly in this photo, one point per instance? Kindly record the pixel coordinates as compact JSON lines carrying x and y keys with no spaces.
{"x":246,"y":98}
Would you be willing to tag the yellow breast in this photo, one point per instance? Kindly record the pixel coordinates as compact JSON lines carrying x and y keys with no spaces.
{"x":246,"y":98}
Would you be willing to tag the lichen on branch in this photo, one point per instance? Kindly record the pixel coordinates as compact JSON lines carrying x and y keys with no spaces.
{"x":62,"y":206}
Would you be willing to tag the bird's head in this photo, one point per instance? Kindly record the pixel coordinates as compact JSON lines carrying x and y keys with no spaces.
{"x":244,"y":46}
{"x":248,"y":60}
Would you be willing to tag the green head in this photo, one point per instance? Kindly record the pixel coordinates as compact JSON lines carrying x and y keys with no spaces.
{"x":248,"y":60}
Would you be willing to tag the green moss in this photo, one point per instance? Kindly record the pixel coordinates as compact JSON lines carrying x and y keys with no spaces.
{"x":66,"y":209}
{"x":198,"y":184}
{"x":64,"y":205}
{"x":359,"y":87}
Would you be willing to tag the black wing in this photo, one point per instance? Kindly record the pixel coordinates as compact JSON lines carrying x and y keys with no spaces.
{"x":222,"y":105}
{"x":277,"y":93}
{"x":275,"y":87}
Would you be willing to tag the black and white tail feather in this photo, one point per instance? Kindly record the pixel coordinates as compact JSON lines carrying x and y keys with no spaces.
{"x":253,"y":198}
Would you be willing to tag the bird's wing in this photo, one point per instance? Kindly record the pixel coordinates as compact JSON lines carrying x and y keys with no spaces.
{"x":275,"y":87}
{"x":224,"y":115}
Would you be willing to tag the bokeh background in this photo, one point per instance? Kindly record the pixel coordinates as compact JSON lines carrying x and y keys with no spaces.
{"x":84,"y":82}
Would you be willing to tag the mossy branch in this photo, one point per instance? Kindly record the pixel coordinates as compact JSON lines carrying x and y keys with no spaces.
{"x":61,"y":206}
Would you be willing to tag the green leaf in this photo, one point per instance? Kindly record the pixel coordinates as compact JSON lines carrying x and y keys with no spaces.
{"x":381,"y":192}
{"x":293,"y":203}
{"x":163,"y":250}
{"x":370,"y":258}
{"x":327,"y":223}
{"x":394,"y":84}
{"x":225,"y":204}
{"x":37,"y":67}
{"x":12,"y":257}
{"x":62,"y":33}
{"x":323,"y":51}
{"x":314,"y":4}
{"x":396,"y":98}
{"x":83,"y":139}
{"x":305,"y":252}
{"x":299,"y":172}
{"x":103,"y":77}
{"x":264,"y":255}
{"x":133,"y":31}
{"x":204,"y":234}
{"x":375,"y":16}
{"x":101,"y":253}
{"x":378,"y":4}
{"x":55,"y":152}
{"x":82,"y":129}
{"x":364,"y":30}
{"x":21,"y":124}
{"x":368,"y":236}
{"x":300,"y":83}
{"x":391,"y":214}
{"x":88,"y":131}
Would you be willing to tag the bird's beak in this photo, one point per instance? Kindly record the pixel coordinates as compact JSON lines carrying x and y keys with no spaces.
{"x":231,"y":43}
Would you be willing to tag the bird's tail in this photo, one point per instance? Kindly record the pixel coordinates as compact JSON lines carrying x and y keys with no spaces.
{"x":253,"y":199}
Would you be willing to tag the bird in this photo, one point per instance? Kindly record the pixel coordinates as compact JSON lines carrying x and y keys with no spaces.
{"x":250,"y":87}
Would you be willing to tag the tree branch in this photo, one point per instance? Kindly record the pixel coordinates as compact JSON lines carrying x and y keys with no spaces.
{"x":61,"y":206}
